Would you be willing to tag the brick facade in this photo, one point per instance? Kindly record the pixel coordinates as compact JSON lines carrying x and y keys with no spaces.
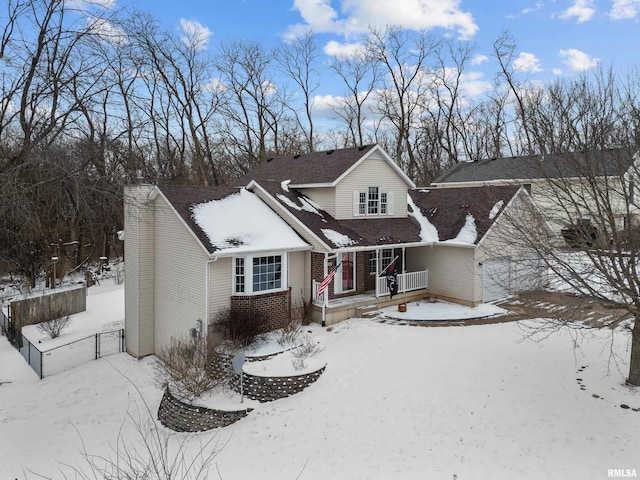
{"x":274,"y":307}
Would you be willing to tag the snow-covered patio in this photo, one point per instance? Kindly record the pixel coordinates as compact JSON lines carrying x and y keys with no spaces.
{"x":478,"y":401}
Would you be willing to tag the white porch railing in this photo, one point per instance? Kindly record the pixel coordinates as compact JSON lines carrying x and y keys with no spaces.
{"x":322,"y":299}
{"x":407,"y":282}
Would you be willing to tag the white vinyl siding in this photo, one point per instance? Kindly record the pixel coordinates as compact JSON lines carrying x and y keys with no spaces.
{"x":453,"y":273}
{"x":325,"y":197}
{"x":299,"y":282}
{"x":373,"y":172}
{"x":139,"y":274}
{"x":179,"y":278}
{"x":220,"y":287}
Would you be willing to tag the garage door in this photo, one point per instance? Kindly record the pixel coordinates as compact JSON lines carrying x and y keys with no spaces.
{"x":503,"y":276}
{"x":496,"y":281}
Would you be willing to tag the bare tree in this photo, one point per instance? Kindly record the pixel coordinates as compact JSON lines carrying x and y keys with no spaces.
{"x":403,"y":57}
{"x":297,"y":59}
{"x":592,"y":198}
{"x":253,"y":114}
{"x":360,"y":76}
{"x":504,"y":50}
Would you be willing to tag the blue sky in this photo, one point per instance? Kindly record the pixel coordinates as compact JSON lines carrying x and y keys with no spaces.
{"x":555,"y":38}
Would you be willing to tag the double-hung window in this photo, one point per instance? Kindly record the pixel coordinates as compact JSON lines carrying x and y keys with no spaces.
{"x":259,"y":274}
{"x":372,"y":202}
{"x":377,"y":263}
{"x":373,"y":198}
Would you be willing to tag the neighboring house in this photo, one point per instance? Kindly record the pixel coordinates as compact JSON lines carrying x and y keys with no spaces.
{"x":548,"y":177}
{"x":264,"y":246}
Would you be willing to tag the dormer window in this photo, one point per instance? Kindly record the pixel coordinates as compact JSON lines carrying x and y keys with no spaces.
{"x":372,"y":202}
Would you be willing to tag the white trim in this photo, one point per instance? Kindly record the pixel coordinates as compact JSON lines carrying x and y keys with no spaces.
{"x":337,"y":280}
{"x":248,"y":274}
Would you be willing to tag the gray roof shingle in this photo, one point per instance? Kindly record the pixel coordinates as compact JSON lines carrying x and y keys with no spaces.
{"x":566,"y":165}
{"x":310,"y":168}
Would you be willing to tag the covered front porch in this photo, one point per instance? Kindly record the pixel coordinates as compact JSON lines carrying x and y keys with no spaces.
{"x":340,"y":309}
{"x":359,"y":284}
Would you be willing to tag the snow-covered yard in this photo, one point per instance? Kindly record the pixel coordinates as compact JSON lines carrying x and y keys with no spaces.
{"x":396,"y":401}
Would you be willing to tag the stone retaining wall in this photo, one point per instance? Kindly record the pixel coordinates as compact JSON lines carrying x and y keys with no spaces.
{"x":267,"y":389}
{"x":181,"y":417}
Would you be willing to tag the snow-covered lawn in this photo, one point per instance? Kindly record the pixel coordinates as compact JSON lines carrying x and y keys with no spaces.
{"x":395,"y":402}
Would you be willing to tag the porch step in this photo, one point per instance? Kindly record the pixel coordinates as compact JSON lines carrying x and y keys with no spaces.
{"x":366,"y":310}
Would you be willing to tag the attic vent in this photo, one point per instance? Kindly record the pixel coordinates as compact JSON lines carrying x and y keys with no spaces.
{"x":329,"y":152}
{"x":362,"y":147}
{"x":297,"y":155}
{"x":269,"y":159}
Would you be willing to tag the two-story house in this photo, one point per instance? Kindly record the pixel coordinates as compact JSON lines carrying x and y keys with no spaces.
{"x":266,"y":244}
{"x":570,"y":188}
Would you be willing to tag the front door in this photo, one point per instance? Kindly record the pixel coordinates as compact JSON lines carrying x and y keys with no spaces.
{"x":347,"y":276}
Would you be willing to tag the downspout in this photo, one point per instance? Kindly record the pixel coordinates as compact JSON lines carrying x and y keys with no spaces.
{"x":206,"y":294}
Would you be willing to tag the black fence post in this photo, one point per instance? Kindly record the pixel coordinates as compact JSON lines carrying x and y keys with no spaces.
{"x":97,"y":346}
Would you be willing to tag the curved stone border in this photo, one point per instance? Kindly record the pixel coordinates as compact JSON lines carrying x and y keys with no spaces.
{"x":267,"y":389}
{"x":181,"y":417}
{"x":268,"y":356}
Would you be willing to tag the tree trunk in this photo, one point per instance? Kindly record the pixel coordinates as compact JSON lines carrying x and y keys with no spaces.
{"x":634,"y":364}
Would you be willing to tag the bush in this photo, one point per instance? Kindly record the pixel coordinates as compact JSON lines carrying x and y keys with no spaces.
{"x":307,"y":348}
{"x":241,"y":328}
{"x":193,"y":367}
{"x":54,"y":327}
{"x":290,"y":333}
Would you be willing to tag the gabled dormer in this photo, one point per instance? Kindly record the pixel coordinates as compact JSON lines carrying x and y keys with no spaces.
{"x":358,"y":182}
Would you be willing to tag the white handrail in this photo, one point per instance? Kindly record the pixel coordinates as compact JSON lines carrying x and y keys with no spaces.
{"x":407,"y":282}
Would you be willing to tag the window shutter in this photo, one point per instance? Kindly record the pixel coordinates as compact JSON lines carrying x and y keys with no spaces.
{"x":389,"y":203}
{"x":356,"y":203}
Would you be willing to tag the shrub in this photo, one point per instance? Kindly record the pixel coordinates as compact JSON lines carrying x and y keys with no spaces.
{"x":193,"y":367}
{"x":54,"y":327}
{"x":241,"y":327}
{"x":290,"y":333}
{"x":307,"y":348}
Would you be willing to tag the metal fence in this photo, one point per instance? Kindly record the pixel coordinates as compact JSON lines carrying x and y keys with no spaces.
{"x":71,"y":354}
{"x":6,"y":327}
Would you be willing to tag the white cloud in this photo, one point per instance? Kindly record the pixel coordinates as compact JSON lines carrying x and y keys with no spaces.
{"x":527,"y":62}
{"x":106,"y":30}
{"x":195,"y":34}
{"x":557,"y":71}
{"x":337,"y":49}
{"x":90,"y":5}
{"x":536,"y":7}
{"x":216,"y":85}
{"x":624,"y":9}
{"x":578,"y":60}
{"x":582,"y":10}
{"x":358,"y":15}
{"x":473,"y":85}
{"x":479,"y":59}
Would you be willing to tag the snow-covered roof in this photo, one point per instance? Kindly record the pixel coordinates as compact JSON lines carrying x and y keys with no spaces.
{"x":232,"y":221}
{"x":242,"y":223}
